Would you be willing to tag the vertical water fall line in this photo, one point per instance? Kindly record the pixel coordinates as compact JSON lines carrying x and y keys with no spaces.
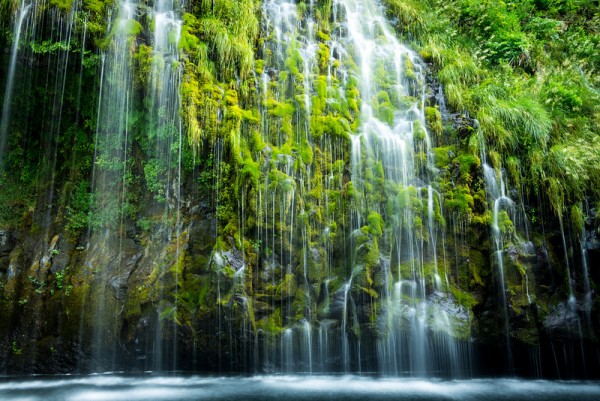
{"x":65,"y":32}
{"x":281,"y":24}
{"x":390,"y":143}
{"x":587,"y":289}
{"x":110,"y":175}
{"x":45,"y":34}
{"x":22,"y":14}
{"x":496,"y":195}
{"x":165,"y":137}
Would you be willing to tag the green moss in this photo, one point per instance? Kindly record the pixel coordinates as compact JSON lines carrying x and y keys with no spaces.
{"x":443,"y":155}
{"x":287,"y":288}
{"x":272,"y":323}
{"x":505,"y":224}
{"x":256,"y":142}
{"x":294,"y":59}
{"x":279,"y":109}
{"x":64,"y":5}
{"x":132,"y":28}
{"x":323,"y":36}
{"x":385,"y":112}
{"x":331,"y":125}
{"x":409,"y":68}
{"x":383,"y":97}
{"x":323,"y":57}
{"x":419,"y":131}
{"x":433,"y":117}
{"x":321,"y":87}
{"x":464,"y":298}
{"x":375,"y":223}
{"x":476,"y":265}
{"x":460,"y":200}
{"x":577,"y":219}
{"x":250,"y":172}
{"x":143,"y":62}
{"x":95,"y":6}
{"x":306,"y":152}
{"x":468,"y":165}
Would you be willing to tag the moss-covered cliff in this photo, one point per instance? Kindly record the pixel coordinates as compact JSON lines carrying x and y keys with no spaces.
{"x":224,"y":199}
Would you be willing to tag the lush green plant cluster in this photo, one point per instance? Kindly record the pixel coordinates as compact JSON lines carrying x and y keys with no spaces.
{"x":528,"y":71}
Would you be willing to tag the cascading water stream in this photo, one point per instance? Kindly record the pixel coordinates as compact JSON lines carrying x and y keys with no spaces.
{"x":496,"y":193}
{"x":282,"y":25}
{"x":34,"y":64}
{"x":165,"y":137}
{"x":587,"y":290}
{"x":22,"y":14}
{"x":118,"y":120}
{"x":393,"y":142}
{"x":111,"y":178}
{"x":361,"y":58}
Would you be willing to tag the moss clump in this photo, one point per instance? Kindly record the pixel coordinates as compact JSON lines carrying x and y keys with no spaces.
{"x":272,"y":323}
{"x":468,"y":165}
{"x":385,"y":112}
{"x":443,"y":155}
{"x":433,"y":117}
{"x":132,"y":28}
{"x":460,"y":200}
{"x":332,"y":126}
{"x":279,"y":109}
{"x":464,"y":298}
{"x":323,"y":57}
{"x":419,"y":131}
{"x":376,"y":224}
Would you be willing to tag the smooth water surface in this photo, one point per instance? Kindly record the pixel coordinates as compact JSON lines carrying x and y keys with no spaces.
{"x":113,"y":388}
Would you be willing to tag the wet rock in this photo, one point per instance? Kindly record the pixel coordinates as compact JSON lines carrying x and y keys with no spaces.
{"x":59,"y":262}
{"x":7,"y":242}
{"x":234,"y":259}
{"x":445,"y":314}
{"x":527,"y":249}
{"x":134,"y":259}
{"x":202,"y":236}
{"x":592,"y":240}
{"x":591,"y":217}
{"x":142,"y":344}
{"x":512,"y":252}
{"x":563,"y":321}
{"x":464,"y":125}
{"x":11,"y":272}
{"x":316,"y":256}
{"x":271,"y":268}
{"x":262,"y":309}
{"x":61,"y":256}
{"x":119,"y":286}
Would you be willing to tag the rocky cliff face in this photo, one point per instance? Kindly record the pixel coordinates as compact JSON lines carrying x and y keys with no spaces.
{"x":309,"y":203}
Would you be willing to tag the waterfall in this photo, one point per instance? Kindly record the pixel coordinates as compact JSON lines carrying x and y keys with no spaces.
{"x":381,"y":83}
{"x":21,"y":16}
{"x":496,"y":193}
{"x":283,"y":186}
{"x":164,"y":158}
{"x":39,"y":64}
{"x":392,"y":146}
{"x":298,"y":226}
{"x":118,"y":122}
{"x":111,"y":177}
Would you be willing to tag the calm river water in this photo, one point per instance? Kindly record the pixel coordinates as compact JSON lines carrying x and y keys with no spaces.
{"x":287,"y":388}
